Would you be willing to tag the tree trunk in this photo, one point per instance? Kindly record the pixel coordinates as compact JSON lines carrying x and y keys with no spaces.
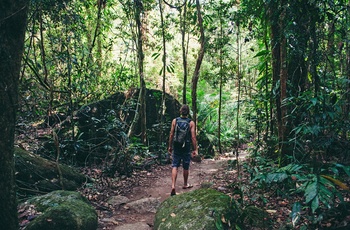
{"x":42,"y":46}
{"x":162,"y":106}
{"x":279,"y":70}
{"x":275,"y":45}
{"x":283,"y":91}
{"x":347,"y":87}
{"x":141,"y":106}
{"x":330,"y":51}
{"x":238,"y":90}
{"x":198,"y":63}
{"x":184,"y":50}
{"x":268,"y":110}
{"x":12,"y":29}
{"x":313,"y":64}
{"x":220,"y":91}
{"x":96,"y":31}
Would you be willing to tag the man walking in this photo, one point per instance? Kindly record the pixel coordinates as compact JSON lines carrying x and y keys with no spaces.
{"x":182,"y":133}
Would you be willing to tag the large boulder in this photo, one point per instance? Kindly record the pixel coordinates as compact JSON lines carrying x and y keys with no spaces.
{"x":102,"y":126}
{"x":58,"y":210}
{"x":92,"y":117}
{"x":199,"y":209}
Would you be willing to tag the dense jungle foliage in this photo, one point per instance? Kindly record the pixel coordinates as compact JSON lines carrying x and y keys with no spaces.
{"x":269,"y":76}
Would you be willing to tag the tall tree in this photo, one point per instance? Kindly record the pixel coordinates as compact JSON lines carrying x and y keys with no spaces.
{"x":275,"y":31}
{"x":346,"y":109}
{"x":283,"y":85}
{"x":140,"y":112}
{"x":183,"y":14}
{"x":221,"y":73}
{"x":184,"y":46}
{"x":162,"y":105}
{"x":239,"y":72}
{"x":196,"y":72}
{"x":12,"y":28}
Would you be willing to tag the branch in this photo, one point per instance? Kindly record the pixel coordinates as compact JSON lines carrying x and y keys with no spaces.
{"x":172,"y":6}
{"x":36,"y":74}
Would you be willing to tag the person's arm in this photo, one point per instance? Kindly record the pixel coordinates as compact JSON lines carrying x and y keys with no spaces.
{"x":171,"y":136}
{"x":194,"y":139}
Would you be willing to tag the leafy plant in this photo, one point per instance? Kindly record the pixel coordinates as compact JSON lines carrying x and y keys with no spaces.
{"x":320,"y":192}
{"x":241,"y":215}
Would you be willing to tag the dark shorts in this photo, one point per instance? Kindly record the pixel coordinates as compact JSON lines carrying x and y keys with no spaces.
{"x":183,"y":156}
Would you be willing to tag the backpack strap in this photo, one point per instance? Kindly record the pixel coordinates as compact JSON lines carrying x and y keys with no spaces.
{"x":179,"y":119}
{"x":182,"y":120}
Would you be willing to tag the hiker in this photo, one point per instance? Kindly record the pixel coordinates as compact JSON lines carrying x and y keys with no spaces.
{"x":182,"y":133}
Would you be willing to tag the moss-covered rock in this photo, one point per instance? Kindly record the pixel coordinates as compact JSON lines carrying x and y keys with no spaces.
{"x":62,"y":210}
{"x":198,"y":210}
{"x":35,"y":174}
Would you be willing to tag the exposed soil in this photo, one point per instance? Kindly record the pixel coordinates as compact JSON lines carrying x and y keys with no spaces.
{"x":157,"y":184}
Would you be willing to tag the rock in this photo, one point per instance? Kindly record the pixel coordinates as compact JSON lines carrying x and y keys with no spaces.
{"x":109,"y":220}
{"x":145,"y":205}
{"x":138,"y":226}
{"x":221,"y":189}
{"x":197,"y":158}
{"x":36,"y":174}
{"x":123,"y":106}
{"x":206,"y":184}
{"x":60,"y":210}
{"x":117,"y":200}
{"x":198,"y":209}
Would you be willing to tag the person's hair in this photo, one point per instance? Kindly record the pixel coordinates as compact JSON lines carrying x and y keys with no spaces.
{"x":185,"y":110}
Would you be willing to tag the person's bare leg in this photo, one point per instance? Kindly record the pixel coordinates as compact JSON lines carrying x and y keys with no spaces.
{"x":173,"y":179}
{"x":186,"y":173}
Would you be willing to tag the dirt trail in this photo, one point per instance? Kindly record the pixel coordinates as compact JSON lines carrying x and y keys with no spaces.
{"x":157,"y":184}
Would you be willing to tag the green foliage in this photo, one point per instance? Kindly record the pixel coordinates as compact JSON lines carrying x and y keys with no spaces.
{"x":208,"y":120}
{"x":241,"y":215}
{"x":281,"y":179}
{"x":67,"y":59}
{"x":322,"y":120}
{"x":316,"y":116}
{"x":319,"y":191}
{"x":101,"y":138}
{"x":76,"y":53}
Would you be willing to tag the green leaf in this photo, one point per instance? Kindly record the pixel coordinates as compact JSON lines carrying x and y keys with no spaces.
{"x":314,"y":101}
{"x":296,"y":213}
{"x":170,"y":69}
{"x":310,"y":192}
{"x":261,"y":78}
{"x":315,"y":204}
{"x":155,"y":55}
{"x":262,"y":53}
{"x":325,"y":196}
{"x":345,"y":168}
{"x":298,"y":129}
{"x":276,"y":177}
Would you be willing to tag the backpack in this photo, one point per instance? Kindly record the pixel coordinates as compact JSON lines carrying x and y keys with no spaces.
{"x":182,"y":130}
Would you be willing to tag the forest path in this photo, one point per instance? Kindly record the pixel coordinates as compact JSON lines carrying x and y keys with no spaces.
{"x":157,"y":184}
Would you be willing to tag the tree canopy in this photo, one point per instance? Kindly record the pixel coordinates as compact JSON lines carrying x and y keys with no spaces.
{"x":270,"y":75}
